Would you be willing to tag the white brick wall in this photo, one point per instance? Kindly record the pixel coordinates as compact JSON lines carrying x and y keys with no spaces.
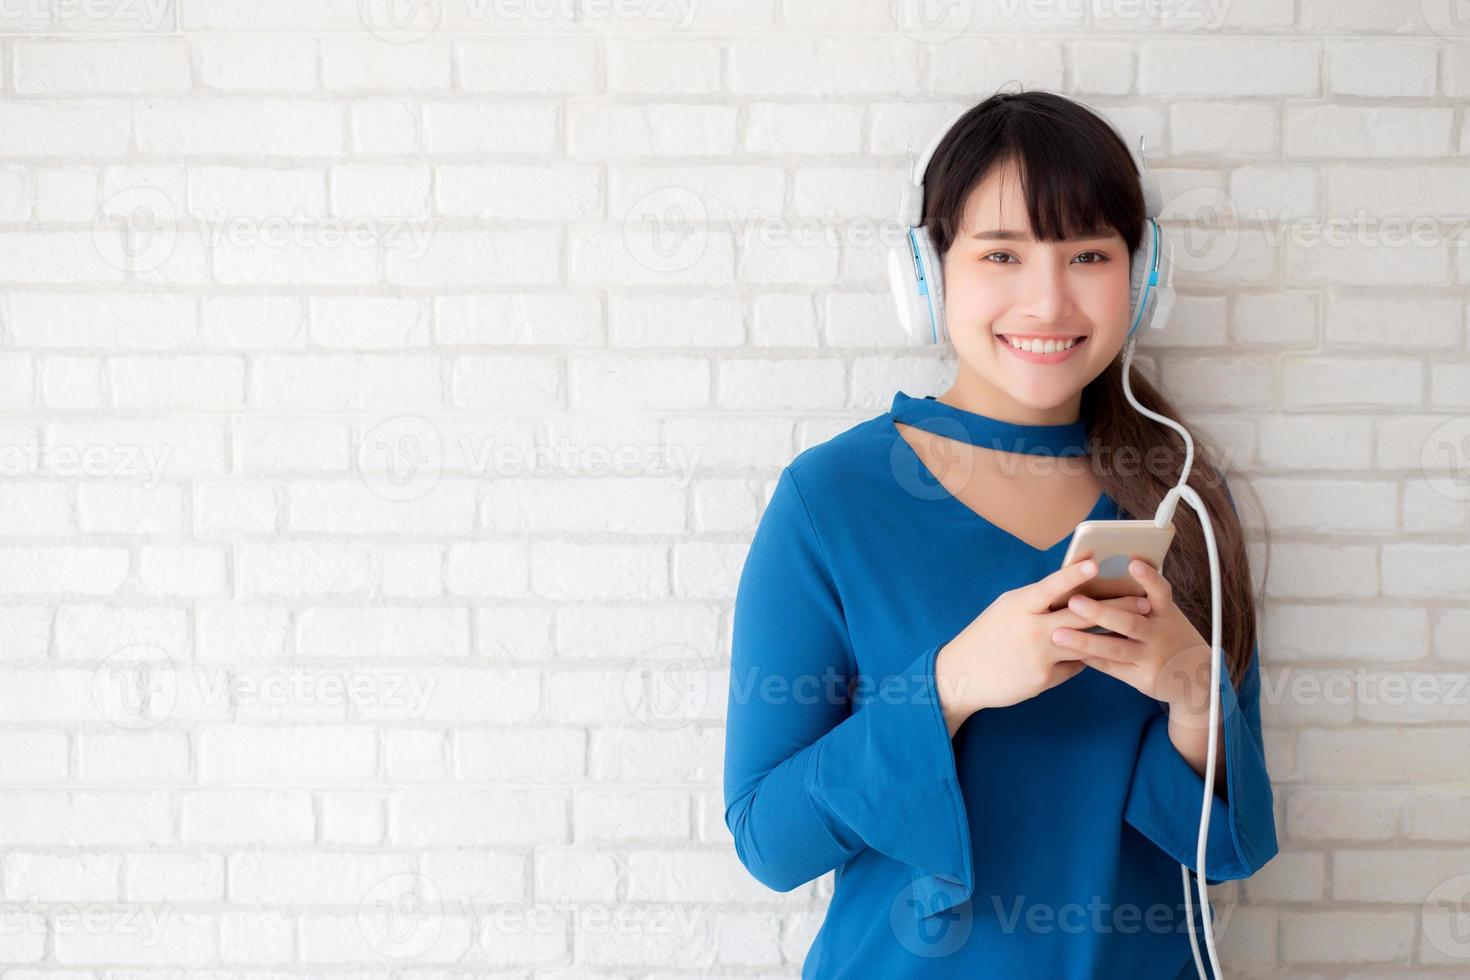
{"x":375,"y":438}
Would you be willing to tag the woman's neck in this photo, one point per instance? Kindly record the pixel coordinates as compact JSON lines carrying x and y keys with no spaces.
{"x":975,"y":394}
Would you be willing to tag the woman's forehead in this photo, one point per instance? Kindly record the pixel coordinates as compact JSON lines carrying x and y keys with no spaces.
{"x":995,"y":210}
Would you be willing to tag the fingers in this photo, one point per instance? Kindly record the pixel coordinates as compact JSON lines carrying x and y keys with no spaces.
{"x":1079,"y":645}
{"x":1127,"y":603}
{"x":1042,"y":594}
{"x":1071,"y":618}
{"x":1160,"y":592}
{"x":1123,"y":616}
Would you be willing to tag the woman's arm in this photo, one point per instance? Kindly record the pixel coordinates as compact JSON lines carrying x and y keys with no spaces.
{"x":1189,"y":731}
{"x":816,"y":772}
{"x":949,"y":680}
{"x":1165,"y":798}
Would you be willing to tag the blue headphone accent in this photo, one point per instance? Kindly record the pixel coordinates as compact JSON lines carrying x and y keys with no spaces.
{"x":924,"y":291}
{"x":1150,"y":279}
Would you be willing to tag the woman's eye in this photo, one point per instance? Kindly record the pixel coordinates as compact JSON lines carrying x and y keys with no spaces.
{"x":1005,"y":258}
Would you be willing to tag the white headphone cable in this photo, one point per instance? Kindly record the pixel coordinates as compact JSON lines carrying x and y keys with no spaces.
{"x":1161,"y":518}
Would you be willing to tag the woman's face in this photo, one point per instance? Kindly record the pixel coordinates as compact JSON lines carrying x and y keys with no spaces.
{"x":1000,"y":283}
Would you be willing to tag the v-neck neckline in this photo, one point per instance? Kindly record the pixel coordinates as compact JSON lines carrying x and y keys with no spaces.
{"x":1100,"y":506}
{"x":987,"y":431}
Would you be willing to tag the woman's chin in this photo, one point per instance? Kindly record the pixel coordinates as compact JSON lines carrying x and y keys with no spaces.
{"x":1041,"y":388}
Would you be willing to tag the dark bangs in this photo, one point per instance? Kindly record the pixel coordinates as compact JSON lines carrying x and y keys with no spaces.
{"x":1078,"y":178}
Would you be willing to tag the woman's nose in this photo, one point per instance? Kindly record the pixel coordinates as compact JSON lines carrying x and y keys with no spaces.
{"x":1043,"y":293}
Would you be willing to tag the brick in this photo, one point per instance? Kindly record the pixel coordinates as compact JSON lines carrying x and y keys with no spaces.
{"x":1230,"y":67}
{"x":1346,"y":937}
{"x":108,"y":67}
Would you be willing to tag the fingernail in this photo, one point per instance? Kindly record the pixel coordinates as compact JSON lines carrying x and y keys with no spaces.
{"x":1143,"y":605}
{"x":1089,"y":566}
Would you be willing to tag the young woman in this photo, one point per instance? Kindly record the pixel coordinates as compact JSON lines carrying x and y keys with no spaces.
{"x":1000,"y":792}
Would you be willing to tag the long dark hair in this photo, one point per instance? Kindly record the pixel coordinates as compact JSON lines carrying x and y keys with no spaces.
{"x":1078,"y":178}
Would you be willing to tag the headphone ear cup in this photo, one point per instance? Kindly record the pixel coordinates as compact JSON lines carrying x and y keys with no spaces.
{"x":934,"y":276}
{"x":916,"y":280}
{"x":903,"y":282}
{"x":1143,"y":260}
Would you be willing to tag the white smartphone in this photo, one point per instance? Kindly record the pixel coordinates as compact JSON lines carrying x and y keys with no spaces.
{"x":1113,"y":544}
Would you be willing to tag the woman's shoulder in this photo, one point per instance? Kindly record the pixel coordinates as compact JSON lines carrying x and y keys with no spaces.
{"x":848,"y":463}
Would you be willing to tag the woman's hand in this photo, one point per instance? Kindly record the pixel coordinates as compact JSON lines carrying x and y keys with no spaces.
{"x":1006,"y":654}
{"x":1159,"y":653}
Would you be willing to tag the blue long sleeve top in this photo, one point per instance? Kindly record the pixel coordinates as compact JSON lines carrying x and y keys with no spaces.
{"x":1044,"y":839}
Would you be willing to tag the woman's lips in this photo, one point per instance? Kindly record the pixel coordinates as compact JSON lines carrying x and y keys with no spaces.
{"x":1054,"y":358}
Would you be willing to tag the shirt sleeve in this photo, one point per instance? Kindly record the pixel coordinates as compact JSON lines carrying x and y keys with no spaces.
{"x":820,"y":762}
{"x":1166,"y":794}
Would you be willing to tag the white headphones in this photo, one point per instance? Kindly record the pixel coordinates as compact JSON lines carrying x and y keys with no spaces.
{"x":917,"y":278}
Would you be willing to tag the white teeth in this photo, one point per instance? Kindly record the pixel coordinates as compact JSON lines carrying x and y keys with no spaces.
{"x":1040,"y":346}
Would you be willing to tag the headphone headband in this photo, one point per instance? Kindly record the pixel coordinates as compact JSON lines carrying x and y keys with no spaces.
{"x":911,"y":201}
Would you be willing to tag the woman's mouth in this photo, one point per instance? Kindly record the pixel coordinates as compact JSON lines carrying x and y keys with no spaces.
{"x":1041,"y":350}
